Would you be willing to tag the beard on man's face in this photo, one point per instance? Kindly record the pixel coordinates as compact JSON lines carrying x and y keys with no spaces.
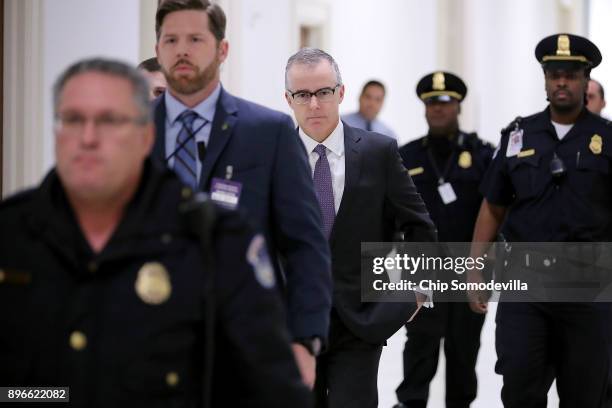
{"x":568,"y":105}
{"x":189,"y":85}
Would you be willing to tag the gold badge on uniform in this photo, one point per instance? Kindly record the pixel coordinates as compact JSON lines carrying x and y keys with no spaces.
{"x":596,"y":144}
{"x":438,"y":81}
{"x":416,"y":171}
{"x":153,"y":283}
{"x":526,"y":153}
{"x":465,"y":160}
{"x":563,"y":45}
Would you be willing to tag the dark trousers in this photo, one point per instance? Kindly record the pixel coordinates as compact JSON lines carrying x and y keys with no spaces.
{"x":460,"y":328}
{"x":347,"y":372}
{"x":537,"y":342}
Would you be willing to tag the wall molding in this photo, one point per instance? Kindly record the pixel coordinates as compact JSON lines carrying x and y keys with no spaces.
{"x":23,"y":106}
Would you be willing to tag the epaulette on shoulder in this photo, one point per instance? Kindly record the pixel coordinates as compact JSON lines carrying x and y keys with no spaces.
{"x":513,"y":125}
{"x":468,"y":139}
{"x":419,"y":142}
{"x":478,"y":143}
{"x":516,"y":123}
{"x":603,"y":120}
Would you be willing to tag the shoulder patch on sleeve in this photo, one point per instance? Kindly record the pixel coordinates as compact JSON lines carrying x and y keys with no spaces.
{"x":257,"y":256}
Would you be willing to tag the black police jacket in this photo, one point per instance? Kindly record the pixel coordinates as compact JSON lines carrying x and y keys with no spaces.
{"x":464,"y":164}
{"x":567,"y":200}
{"x":125,"y":326}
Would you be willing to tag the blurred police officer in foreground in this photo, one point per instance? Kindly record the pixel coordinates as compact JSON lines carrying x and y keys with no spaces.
{"x":447,"y":166}
{"x":103,"y":288}
{"x":550,"y":182}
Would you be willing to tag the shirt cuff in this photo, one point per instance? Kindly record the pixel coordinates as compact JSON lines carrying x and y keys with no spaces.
{"x":428,"y":297}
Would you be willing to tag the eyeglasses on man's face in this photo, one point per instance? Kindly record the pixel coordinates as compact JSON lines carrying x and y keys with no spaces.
{"x":322,"y":95}
{"x":73,"y":123}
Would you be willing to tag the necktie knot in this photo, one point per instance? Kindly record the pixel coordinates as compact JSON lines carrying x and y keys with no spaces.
{"x":321,"y":150}
{"x":187,"y":118}
{"x":185,"y":161}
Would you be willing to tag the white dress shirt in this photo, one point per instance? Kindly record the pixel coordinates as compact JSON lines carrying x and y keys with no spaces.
{"x":335,"y":156}
{"x":337,"y":165}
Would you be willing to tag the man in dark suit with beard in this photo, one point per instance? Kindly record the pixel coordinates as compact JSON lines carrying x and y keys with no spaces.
{"x":246,"y":157}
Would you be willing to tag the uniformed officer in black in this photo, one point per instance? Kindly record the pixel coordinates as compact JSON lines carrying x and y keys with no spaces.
{"x":447,"y":166}
{"x":103,"y":286}
{"x":550,"y":181}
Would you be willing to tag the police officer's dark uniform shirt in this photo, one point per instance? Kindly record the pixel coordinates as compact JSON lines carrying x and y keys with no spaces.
{"x":460,"y":160}
{"x":575,"y":206}
{"x":125,"y":327}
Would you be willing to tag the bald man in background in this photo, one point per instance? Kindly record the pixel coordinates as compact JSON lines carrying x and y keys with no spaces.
{"x":595,"y":97}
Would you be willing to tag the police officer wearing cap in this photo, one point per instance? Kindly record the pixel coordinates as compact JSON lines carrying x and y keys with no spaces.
{"x":447,"y":166}
{"x":115,"y":284}
{"x":550,"y":181}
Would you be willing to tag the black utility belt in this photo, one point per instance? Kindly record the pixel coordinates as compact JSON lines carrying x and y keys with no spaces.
{"x":572,"y":265}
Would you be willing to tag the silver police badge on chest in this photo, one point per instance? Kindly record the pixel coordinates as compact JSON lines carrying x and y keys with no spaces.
{"x":153,"y":283}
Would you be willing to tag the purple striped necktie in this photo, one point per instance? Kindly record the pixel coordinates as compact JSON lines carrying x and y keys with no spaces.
{"x":323,"y":188}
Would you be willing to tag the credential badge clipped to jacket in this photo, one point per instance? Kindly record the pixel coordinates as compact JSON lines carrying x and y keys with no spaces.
{"x":257,"y":256}
{"x":153,"y":283}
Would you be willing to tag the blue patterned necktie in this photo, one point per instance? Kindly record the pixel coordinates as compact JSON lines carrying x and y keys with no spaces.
{"x":185,"y":162}
{"x":323,"y":188}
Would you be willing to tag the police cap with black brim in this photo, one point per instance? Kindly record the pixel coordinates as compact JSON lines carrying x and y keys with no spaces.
{"x":441,"y":86}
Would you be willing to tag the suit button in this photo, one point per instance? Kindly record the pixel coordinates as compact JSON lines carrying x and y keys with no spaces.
{"x":172,"y":379}
{"x":78,"y":341}
{"x":547,"y":262}
{"x":186,"y":193}
{"x":166,"y":239}
{"x":2,"y":276}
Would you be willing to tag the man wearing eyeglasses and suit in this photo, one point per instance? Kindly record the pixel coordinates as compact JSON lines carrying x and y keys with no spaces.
{"x":246,"y":157}
{"x":365,"y":195}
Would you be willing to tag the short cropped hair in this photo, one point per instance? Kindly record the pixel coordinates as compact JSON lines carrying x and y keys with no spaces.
{"x":216,"y":16}
{"x":150,"y":65}
{"x":373,"y":82}
{"x":311,"y":57}
{"x":108,"y":67}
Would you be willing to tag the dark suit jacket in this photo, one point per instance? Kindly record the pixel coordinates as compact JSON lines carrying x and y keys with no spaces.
{"x":277,"y":197}
{"x":379,"y":200}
